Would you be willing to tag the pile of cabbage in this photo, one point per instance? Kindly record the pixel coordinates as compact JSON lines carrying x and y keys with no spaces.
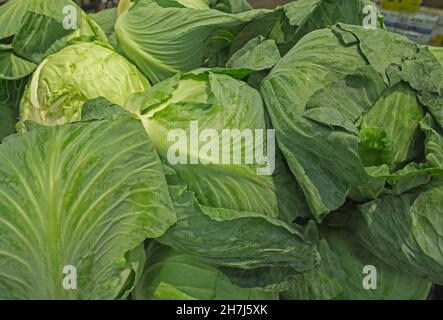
{"x":353,"y":208}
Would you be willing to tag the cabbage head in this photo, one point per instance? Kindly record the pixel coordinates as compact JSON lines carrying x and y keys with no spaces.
{"x":75,"y":74}
{"x":224,"y":208}
{"x":359,"y":116}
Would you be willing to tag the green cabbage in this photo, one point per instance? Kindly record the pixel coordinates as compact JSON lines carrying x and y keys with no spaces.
{"x":351,"y":181}
{"x":341,"y":274}
{"x":65,"y":80}
{"x":218,"y":101}
{"x":359,"y":116}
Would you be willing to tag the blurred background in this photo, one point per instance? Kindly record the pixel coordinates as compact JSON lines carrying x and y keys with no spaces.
{"x":420,"y":21}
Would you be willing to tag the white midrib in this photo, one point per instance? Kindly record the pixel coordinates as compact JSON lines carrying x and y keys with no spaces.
{"x":53,"y":240}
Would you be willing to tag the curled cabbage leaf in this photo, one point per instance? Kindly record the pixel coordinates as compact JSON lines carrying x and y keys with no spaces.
{"x":163,"y":40}
{"x":341,"y":274}
{"x":406,"y":230}
{"x":358,"y":115}
{"x":174,"y":275}
{"x":287,"y":24}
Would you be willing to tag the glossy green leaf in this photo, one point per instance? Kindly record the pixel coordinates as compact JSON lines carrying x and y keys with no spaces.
{"x":406,"y":230}
{"x":146,"y":27}
{"x":235,"y":240}
{"x":172,"y":275}
{"x":217,"y":102}
{"x":78,"y":195}
{"x":289,"y":23}
{"x":258,"y":54}
{"x":10,"y":95}
{"x":341,"y":275}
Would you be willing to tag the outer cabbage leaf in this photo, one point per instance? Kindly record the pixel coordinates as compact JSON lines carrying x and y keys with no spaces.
{"x":341,"y":274}
{"x":433,"y":143}
{"x":355,"y":106}
{"x":36,"y":31}
{"x":106,"y":20}
{"x":258,"y":54}
{"x":378,"y":176}
{"x":414,"y":174}
{"x":406,"y":230}
{"x":83,"y":195}
{"x":410,"y":176}
{"x":289,"y":23}
{"x":193,"y":4}
{"x":404,"y":61}
{"x":65,"y":80}
{"x":234,"y":240}
{"x":322,"y":155}
{"x":13,"y":67}
{"x":163,"y":41}
{"x":10,"y":94}
{"x":172,"y":275}
{"x":218,"y":102}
